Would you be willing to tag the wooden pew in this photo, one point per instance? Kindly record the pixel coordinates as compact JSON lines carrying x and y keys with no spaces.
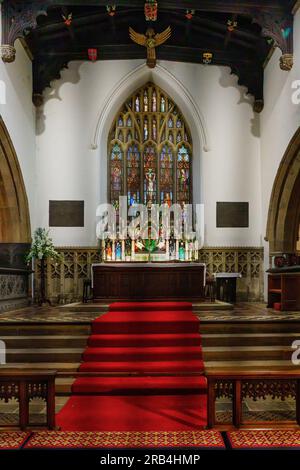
{"x":26,"y":385}
{"x":250,"y":384}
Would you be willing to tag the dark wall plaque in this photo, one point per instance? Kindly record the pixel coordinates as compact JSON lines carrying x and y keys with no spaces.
{"x":232,"y":214}
{"x":66,"y":213}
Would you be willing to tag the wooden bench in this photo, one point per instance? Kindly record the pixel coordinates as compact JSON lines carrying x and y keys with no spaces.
{"x":250,"y":384}
{"x":24,"y":386}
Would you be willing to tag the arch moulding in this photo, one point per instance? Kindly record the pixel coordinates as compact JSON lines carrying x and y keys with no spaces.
{"x":14,"y":211}
{"x":284,"y":209}
{"x":170,"y":84}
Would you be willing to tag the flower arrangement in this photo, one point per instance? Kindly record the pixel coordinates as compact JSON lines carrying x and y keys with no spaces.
{"x":42,"y":246}
{"x":150,"y":245}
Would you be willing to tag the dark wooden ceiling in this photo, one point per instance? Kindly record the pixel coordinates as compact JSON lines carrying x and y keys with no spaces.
{"x":261,"y":26}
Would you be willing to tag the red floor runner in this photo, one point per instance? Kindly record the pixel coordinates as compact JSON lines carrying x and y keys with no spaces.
{"x":125,"y":306}
{"x":160,"y":347}
{"x":133,"y":413}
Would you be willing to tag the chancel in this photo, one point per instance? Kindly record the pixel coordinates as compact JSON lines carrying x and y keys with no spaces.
{"x":149,"y":225}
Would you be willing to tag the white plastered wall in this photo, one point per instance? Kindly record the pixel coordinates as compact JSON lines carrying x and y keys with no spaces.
{"x":73,"y":128}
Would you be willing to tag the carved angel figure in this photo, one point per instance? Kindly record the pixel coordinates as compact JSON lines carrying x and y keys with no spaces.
{"x":150,"y":40}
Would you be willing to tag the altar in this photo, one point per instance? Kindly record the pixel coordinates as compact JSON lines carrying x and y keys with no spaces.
{"x":148,"y":281}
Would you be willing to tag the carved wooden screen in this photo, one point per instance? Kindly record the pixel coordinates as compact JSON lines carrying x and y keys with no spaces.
{"x":150,"y":151}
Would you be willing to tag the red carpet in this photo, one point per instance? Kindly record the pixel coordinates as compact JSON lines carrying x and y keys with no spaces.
{"x":125,"y":306}
{"x":157,"y":349}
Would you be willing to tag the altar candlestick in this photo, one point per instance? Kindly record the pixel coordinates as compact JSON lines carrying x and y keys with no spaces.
{"x":132,"y":249}
{"x":167,"y":250}
{"x":177,"y":250}
{"x":103,"y":250}
{"x":123,"y":250}
{"x":196,"y":250}
{"x":113,"y":250}
{"x":186,"y":251}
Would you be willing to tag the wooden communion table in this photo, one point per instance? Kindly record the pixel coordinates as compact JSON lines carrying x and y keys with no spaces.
{"x":148,"y":281}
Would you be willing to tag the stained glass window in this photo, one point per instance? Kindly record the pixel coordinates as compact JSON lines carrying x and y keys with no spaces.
{"x":166,"y":175}
{"x":183,"y":175}
{"x":150,"y":151}
{"x":154,"y":129}
{"x":150,"y":175}
{"x":154,"y":101}
{"x":146,"y":101}
{"x":116,"y":175}
{"x":133,"y":175}
{"x":146,"y":129}
{"x":137,"y":104}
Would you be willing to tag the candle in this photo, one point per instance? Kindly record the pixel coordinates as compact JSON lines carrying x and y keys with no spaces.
{"x":123,"y":250}
{"x":196,"y":250}
{"x":167,"y":250}
{"x":103,"y":250}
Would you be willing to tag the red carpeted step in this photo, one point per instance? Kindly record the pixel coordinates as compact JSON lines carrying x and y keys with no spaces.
{"x":144,"y":340}
{"x":145,"y":367}
{"x":156,"y":347}
{"x":139,"y":385}
{"x":125,"y":306}
{"x":135,"y":322}
{"x":169,"y":353}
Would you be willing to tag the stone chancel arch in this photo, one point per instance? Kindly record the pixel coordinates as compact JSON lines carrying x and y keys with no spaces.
{"x":284,"y":210}
{"x":14,"y":212}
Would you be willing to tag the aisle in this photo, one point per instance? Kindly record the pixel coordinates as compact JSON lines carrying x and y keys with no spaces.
{"x":151,"y":356}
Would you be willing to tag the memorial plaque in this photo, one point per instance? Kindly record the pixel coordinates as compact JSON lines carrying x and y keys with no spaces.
{"x":232,"y":214}
{"x":66,"y":213}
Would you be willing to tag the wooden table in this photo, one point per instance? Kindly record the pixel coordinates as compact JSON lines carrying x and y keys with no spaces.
{"x":148,"y":281}
{"x":250,"y":384}
{"x":226,"y":286}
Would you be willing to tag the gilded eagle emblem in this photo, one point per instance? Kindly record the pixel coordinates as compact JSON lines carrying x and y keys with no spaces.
{"x":150,"y":40}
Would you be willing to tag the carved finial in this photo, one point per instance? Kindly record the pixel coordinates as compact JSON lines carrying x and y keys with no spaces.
{"x":258,"y":106}
{"x":8,"y":53}
{"x":286,"y":62}
{"x":37,"y":99}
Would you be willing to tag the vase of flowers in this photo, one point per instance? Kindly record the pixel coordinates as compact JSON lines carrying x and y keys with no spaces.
{"x":42,"y":248}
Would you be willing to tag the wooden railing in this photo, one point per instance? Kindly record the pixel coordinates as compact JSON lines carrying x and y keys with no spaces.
{"x":250,"y":384}
{"x":25,"y":386}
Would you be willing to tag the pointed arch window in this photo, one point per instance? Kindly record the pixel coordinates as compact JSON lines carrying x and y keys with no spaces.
{"x":150,"y":149}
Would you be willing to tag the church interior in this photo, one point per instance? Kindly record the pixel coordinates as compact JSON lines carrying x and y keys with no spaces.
{"x":189,"y":341}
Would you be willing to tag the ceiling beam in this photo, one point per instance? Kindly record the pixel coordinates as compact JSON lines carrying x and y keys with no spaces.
{"x":119,"y":51}
{"x":203,"y":5}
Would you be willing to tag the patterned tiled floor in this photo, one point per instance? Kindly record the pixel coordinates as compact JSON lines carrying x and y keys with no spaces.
{"x":243,"y":312}
{"x":47,"y":315}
